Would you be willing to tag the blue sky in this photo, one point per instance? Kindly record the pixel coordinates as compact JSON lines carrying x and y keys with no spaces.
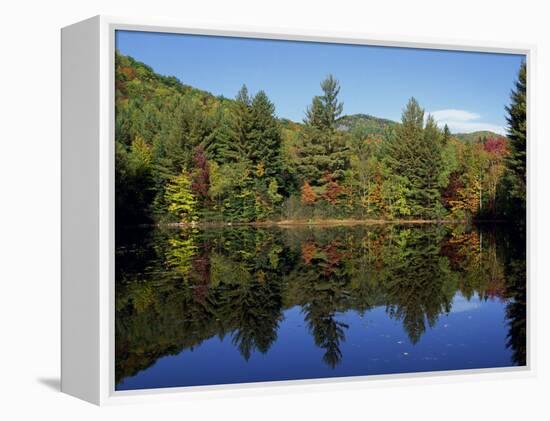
{"x":468,"y":91}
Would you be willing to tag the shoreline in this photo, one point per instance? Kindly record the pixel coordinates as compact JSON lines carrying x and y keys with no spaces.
{"x":288,"y":223}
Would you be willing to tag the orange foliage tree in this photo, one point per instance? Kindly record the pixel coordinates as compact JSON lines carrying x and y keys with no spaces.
{"x":308,"y":195}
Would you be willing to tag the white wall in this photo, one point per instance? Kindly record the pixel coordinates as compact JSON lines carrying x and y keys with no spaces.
{"x":29,"y":211}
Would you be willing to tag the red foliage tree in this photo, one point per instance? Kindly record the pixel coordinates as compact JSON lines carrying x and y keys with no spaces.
{"x":200,"y":183}
{"x":496,"y":146}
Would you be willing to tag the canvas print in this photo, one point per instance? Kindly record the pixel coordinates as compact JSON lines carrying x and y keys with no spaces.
{"x":301,"y":210}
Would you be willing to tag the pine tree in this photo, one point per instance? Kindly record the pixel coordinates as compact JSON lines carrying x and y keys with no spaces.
{"x":232,"y":139}
{"x":517,"y":133}
{"x":315,"y":113}
{"x":432,"y":168}
{"x":413,"y":117}
{"x":265,"y":136}
{"x":415,"y":155}
{"x":329,"y":100}
{"x":446,"y":134}
{"x":322,"y":149}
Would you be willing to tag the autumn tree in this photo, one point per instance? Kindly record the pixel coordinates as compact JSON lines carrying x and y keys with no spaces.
{"x":496,"y":151}
{"x":308,"y":196}
{"x":200,"y":177}
{"x":333,"y":190}
{"x":364,"y":163}
{"x":179,"y":196}
{"x":464,"y":193}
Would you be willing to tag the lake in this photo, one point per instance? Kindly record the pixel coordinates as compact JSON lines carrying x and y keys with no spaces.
{"x":248,"y":304}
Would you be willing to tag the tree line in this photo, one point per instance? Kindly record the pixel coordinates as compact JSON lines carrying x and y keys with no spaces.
{"x":184,"y":155}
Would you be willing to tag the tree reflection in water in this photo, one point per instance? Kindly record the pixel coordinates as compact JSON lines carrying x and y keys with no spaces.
{"x":178,"y":288}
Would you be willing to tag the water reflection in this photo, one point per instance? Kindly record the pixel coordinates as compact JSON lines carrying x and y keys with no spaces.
{"x":178,"y":289}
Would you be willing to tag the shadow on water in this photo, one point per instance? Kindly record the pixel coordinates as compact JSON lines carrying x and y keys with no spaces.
{"x":177,"y":288}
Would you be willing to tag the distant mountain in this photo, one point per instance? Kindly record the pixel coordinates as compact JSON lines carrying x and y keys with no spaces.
{"x":475,"y":136}
{"x":365,"y":122}
{"x":289,"y":124}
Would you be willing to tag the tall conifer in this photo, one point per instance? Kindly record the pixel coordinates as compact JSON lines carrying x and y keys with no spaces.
{"x":322,"y":150}
{"x":517,"y":133}
{"x":265,"y":135}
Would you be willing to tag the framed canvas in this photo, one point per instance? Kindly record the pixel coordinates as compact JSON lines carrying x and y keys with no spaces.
{"x":244,"y":209}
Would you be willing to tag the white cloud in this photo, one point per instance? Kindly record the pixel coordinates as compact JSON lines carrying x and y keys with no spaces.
{"x":455,"y":115}
{"x":462,"y":121}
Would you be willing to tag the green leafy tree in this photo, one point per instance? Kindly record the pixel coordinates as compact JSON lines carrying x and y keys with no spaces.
{"x":364,"y":164}
{"x":464,"y":194}
{"x":179,"y":196}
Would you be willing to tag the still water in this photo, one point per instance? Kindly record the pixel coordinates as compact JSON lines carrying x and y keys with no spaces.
{"x":247,"y":304}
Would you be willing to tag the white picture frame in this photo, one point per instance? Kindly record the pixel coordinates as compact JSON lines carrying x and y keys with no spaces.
{"x":87,"y":323}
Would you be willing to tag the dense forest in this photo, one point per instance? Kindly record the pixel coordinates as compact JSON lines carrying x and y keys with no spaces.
{"x":185,"y":155}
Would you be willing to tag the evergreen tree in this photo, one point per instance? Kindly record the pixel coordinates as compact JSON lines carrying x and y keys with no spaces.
{"x":431,"y":171}
{"x":446,"y":134}
{"x":415,"y":155}
{"x":322,"y":148}
{"x":325,"y":109}
{"x":265,"y":136}
{"x":517,"y":133}
{"x":232,"y":141}
{"x":315,"y":113}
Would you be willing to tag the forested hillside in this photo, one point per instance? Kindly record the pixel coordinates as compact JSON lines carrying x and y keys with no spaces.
{"x":368,"y":124}
{"x":479,"y":136}
{"x":185,"y":155}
